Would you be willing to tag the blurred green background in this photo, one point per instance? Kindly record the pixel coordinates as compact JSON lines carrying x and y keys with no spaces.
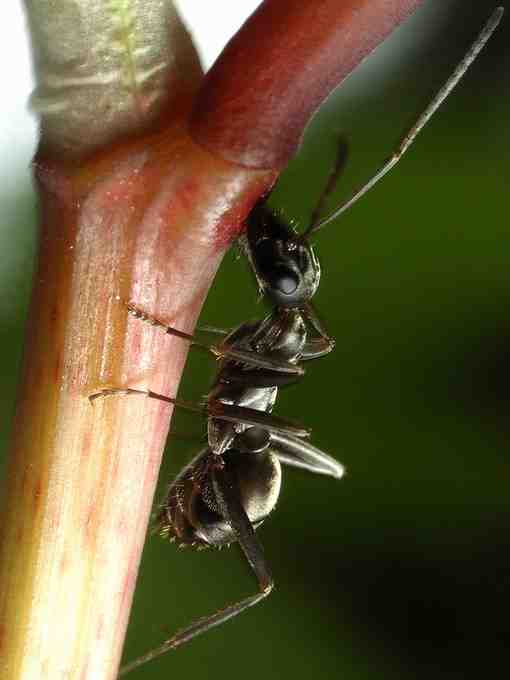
{"x":401,"y":570}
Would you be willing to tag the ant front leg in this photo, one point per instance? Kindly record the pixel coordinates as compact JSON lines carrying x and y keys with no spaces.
{"x":323,"y":344}
{"x":139,"y":314}
{"x":227,"y":495}
{"x":221,"y":350}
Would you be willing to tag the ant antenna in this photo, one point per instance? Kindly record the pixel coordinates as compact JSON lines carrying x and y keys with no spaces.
{"x":423,"y":119}
{"x":338,"y":168}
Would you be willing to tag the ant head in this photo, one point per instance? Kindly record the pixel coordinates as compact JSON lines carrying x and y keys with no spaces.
{"x":286,"y":266}
{"x":191,"y":514}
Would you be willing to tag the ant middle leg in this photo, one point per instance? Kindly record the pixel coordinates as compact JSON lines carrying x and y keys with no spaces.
{"x":215,"y":409}
{"x":126,"y":391}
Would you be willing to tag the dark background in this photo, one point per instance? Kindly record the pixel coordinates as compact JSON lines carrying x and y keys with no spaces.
{"x":400,"y":570}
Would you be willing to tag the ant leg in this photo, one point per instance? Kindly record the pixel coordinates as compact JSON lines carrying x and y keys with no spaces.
{"x":215,"y":409}
{"x":257,"y":378}
{"x":153,"y":321}
{"x":226,"y":491}
{"x":422,"y":120}
{"x":170,"y":330}
{"x":221,"y":351}
{"x":206,"y":328}
{"x":228,"y":498}
{"x":254,"y":418}
{"x":301,"y":454}
{"x":257,"y":360}
{"x":124,"y":391}
{"x":317,"y":347}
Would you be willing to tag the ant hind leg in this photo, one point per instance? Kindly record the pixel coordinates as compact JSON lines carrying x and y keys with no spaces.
{"x":227,"y":496}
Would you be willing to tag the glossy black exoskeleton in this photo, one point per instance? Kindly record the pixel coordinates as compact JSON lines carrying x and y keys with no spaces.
{"x":285,"y":265}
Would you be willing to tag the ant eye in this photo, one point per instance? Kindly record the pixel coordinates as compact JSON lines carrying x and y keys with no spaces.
{"x":285,"y":280}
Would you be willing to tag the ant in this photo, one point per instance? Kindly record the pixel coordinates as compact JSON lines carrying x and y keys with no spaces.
{"x":231,"y":486}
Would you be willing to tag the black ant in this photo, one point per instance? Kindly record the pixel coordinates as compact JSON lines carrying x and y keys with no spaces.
{"x":231,"y":486}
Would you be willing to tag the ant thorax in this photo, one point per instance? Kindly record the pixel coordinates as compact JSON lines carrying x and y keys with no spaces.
{"x":282,"y":336}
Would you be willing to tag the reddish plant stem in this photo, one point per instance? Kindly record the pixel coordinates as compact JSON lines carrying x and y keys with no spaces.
{"x":136,"y":226}
{"x":265,"y":86}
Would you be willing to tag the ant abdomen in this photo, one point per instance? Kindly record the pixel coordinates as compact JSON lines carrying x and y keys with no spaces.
{"x":191,"y":513}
